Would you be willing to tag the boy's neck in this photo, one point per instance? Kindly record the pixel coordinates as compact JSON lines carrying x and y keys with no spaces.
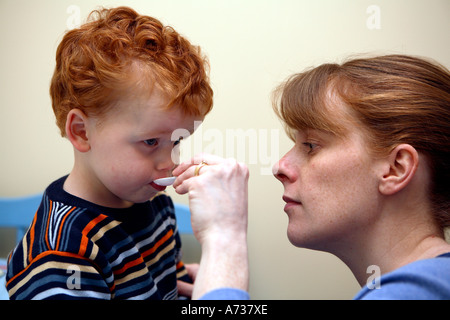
{"x":84,"y":185}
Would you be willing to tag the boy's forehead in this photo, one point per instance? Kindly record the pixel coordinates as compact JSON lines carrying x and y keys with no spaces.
{"x":141,"y":102}
{"x":136,"y":100}
{"x":150,"y":115}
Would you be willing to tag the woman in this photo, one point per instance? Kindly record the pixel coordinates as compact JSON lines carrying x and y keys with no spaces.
{"x":366,"y":179}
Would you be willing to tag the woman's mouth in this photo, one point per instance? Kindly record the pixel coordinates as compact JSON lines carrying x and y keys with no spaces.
{"x":290,"y":203}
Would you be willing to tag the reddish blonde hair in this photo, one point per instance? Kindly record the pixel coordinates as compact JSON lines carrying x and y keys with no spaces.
{"x":396,"y":99}
{"x":93,"y":63}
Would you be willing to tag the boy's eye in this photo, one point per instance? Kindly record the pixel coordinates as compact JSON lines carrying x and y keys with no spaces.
{"x":151,"y":142}
{"x":177,"y":142}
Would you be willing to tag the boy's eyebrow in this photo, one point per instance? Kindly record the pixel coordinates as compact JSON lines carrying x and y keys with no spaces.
{"x":155,"y":132}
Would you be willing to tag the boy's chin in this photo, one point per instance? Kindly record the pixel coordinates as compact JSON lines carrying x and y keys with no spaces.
{"x":141,"y":196}
{"x":146,"y":198}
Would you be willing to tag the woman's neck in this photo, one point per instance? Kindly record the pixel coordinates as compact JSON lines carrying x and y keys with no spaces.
{"x":391,"y":243}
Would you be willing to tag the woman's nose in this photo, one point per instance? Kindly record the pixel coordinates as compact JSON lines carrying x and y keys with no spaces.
{"x":283,"y":170}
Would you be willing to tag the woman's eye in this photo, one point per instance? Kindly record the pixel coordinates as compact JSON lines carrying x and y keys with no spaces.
{"x":310,"y":146}
{"x":151,"y":142}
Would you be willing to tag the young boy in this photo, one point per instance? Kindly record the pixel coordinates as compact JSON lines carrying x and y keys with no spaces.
{"x":123,"y":84}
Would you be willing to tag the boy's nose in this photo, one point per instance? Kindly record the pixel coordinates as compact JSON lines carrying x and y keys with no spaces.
{"x":165,"y":163}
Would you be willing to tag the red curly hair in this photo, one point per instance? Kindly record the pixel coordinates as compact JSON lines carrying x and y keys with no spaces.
{"x":94,"y":63}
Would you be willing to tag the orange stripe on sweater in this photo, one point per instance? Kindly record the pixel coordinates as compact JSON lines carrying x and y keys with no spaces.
{"x":86,"y":230}
{"x":129,"y":265}
{"x":48,"y":224}
{"x":145,"y":254}
{"x":180,"y":265}
{"x":30,"y":247}
{"x":158,"y":244}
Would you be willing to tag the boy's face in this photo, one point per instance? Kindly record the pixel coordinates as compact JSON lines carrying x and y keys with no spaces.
{"x":130,"y":148}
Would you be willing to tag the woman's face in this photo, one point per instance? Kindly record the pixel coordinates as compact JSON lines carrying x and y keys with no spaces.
{"x":330,"y":186}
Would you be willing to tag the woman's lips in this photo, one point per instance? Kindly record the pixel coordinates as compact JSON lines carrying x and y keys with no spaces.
{"x":290,"y":202}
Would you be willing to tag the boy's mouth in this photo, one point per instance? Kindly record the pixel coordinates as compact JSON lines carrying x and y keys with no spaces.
{"x":157,"y":187}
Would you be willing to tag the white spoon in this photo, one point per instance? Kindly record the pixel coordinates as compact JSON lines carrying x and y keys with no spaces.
{"x":164,"y":182}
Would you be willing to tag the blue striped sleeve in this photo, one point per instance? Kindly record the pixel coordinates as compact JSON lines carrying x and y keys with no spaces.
{"x":58,"y":275}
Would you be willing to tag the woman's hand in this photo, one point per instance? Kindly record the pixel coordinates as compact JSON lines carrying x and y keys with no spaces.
{"x":218,"y":200}
{"x":218,"y":196}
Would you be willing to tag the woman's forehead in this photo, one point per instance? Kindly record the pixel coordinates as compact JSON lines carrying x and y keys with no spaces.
{"x":330,"y":115}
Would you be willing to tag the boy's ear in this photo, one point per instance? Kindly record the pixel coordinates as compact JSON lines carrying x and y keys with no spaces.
{"x":76,"y":130}
{"x":400,"y":169}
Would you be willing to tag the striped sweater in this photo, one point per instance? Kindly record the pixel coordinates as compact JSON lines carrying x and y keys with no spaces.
{"x":75,"y":249}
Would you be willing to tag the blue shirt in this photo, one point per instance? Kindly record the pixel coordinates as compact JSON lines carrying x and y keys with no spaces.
{"x":421,"y":280}
{"x":427,"y":279}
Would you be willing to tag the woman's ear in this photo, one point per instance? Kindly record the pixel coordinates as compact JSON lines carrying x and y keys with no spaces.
{"x":402,"y":165}
{"x":76,"y":130}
